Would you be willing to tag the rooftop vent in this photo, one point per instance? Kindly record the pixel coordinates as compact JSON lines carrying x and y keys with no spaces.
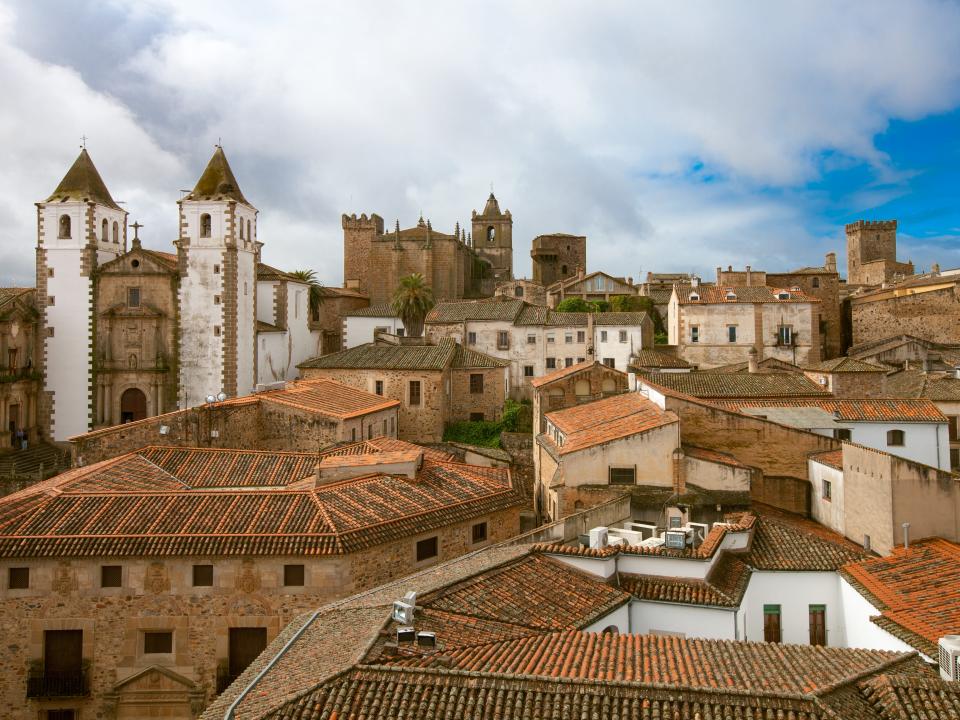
{"x":730,"y":295}
{"x":405,"y":634}
{"x":694,"y":296}
{"x":426,"y":639}
{"x":783,"y":296}
{"x":403,"y":611}
{"x":949,"y":646}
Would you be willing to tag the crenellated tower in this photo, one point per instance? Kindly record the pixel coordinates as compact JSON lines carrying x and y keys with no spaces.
{"x":79,"y":227}
{"x":218,"y":253}
{"x":359,"y":234}
{"x":872,"y":253}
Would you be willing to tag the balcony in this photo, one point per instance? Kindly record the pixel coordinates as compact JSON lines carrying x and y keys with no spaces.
{"x":43,"y":684}
{"x":17,"y":374}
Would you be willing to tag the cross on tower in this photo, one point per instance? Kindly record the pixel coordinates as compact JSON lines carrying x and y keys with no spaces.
{"x":83,"y":142}
{"x":136,"y":231}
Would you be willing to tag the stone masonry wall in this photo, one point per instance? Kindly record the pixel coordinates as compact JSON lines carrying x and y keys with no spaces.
{"x":932,"y":315}
{"x":488,"y":402}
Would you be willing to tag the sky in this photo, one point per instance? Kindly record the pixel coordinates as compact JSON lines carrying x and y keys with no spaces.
{"x":675,"y":136}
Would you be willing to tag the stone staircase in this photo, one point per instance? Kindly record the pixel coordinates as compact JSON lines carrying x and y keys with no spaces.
{"x":39,"y":461}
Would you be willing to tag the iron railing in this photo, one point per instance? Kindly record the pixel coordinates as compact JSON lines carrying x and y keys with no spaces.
{"x":46,"y":684}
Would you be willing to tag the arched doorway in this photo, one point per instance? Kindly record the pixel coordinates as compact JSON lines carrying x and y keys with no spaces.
{"x":133,"y":405}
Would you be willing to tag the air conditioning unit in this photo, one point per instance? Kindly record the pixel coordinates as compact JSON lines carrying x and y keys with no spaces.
{"x":675,"y":539}
{"x":402,"y":612}
{"x":823,"y":381}
{"x":405,"y":634}
{"x":598,"y":537}
{"x":950,"y":657}
{"x":699,"y":531}
{"x":426,"y":639}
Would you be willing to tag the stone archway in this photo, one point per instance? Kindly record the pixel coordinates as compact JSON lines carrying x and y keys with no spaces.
{"x":133,"y":405}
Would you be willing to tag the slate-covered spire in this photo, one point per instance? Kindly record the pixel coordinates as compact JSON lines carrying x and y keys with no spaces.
{"x":217,"y":181}
{"x":492,"y":207}
{"x":83,"y":182}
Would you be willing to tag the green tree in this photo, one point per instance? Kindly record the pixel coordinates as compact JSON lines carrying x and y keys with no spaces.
{"x":412,"y":300}
{"x":638,"y":303}
{"x":575,"y":305}
{"x":316,"y":290}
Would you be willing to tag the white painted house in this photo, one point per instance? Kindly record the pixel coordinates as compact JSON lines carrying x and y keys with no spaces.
{"x":284,"y":336}
{"x":361,"y":326}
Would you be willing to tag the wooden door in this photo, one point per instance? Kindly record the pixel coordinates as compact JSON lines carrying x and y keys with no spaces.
{"x":133,"y":405}
{"x":62,"y":652}
{"x":818,"y":624}
{"x":771,"y":624}
{"x":245,"y":645}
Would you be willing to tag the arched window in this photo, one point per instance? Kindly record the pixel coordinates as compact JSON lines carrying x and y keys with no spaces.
{"x":895,"y":437}
{"x":241,"y":228}
{"x":609,"y":386}
{"x":249,"y":234}
{"x":105,"y":230}
{"x":64,"y":226}
{"x":205,"y":225}
{"x":491,"y":234}
{"x":133,"y":405}
{"x":116,"y":232}
{"x":582,"y":388}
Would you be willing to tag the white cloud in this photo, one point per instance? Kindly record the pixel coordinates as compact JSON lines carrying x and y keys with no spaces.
{"x":587,"y":117}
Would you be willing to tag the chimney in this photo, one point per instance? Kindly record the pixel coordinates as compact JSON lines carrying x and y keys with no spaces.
{"x":748,"y":276}
{"x":694,"y":281}
{"x":752,"y":364}
{"x":719,"y":273}
{"x":831,"y":263}
{"x":906,"y":536}
{"x":935,"y":269}
{"x":679,"y":473}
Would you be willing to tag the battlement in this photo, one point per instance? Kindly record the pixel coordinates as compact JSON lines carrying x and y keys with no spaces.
{"x":876,"y":225}
{"x":352,"y":222}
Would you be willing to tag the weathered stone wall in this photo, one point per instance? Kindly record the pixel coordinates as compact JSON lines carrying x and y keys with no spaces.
{"x":592,"y":383}
{"x":556,"y":257}
{"x":932,"y":315}
{"x":868,"y":242}
{"x":358,"y":236}
{"x":827,"y":289}
{"x":489,"y":402}
{"x":520,"y":448}
{"x":850,"y":384}
{"x":281,"y":427}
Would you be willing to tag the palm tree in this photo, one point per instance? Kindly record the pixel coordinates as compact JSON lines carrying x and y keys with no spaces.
{"x":412,"y":300}
{"x":309,"y":277}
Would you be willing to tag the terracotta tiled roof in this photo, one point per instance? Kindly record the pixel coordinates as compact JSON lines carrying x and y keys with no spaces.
{"x":572,"y":370}
{"x":917,"y":590}
{"x":918,"y":384}
{"x":535,"y":591}
{"x":902,"y":697}
{"x":619,"y":318}
{"x":833,"y":458}
{"x":782,"y":541}
{"x":387,"y":444}
{"x":461,"y":310}
{"x":388,"y":357}
{"x":378,"y":310}
{"x":464,"y":358}
{"x":867,"y":410}
{"x":713,"y":456}
{"x":268,"y":272}
{"x":709,"y":295}
{"x":658,"y":359}
{"x":327,"y":291}
{"x":705,"y":384}
{"x":723,"y":588}
{"x":173,"y":501}
{"x":605,"y":420}
{"x":767,"y":365}
{"x":844,"y":365}
{"x":328,"y":397}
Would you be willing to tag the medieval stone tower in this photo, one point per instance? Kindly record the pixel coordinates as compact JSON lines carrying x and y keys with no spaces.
{"x":79,"y":227}
{"x":218,"y":253}
{"x":872,"y":253}
{"x":493,"y":239}
{"x":359,"y":234}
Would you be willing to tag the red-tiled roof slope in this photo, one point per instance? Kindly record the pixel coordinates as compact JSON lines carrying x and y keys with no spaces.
{"x":865,"y":410}
{"x":833,"y":458}
{"x":211,"y":468}
{"x":726,"y":294}
{"x":707,"y":384}
{"x":564,"y":372}
{"x":917,"y":590}
{"x":782,"y":541}
{"x":387,"y":444}
{"x":534,"y":591}
{"x":724,"y":588}
{"x":605,"y":420}
{"x":714,"y":456}
{"x":329,"y":397}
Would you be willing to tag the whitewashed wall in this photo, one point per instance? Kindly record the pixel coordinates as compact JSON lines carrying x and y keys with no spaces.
{"x":794,"y":592}
{"x":826,"y":512}
{"x":359,"y":330}
{"x":621,"y":352}
{"x":860,"y":632}
{"x":688,"y":620}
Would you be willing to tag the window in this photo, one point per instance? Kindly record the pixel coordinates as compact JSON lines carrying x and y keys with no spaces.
{"x":581,"y":336}
{"x":157,"y":642}
{"x":353,"y":434}
{"x":528,"y":370}
{"x":50,"y":272}
{"x":471,"y":338}
{"x":61,"y":715}
{"x":245,"y":644}
{"x":426,"y":548}
{"x":111,"y":576}
{"x":50,"y":332}
{"x":116,"y":232}
{"x":64,"y":226}
{"x":203,"y":575}
{"x":866,"y":542}
{"x":567,"y":362}
{"x":414,"y":392}
{"x":205,"y":225}
{"x":476,"y":383}
{"x":518,"y":291}
{"x":399,"y":332}
{"x":551,"y":363}
{"x":953,"y":425}
{"x":582,"y":389}
{"x":293,"y":575}
{"x":609,"y":362}
{"x":378,"y":387}
{"x":18,"y":578}
{"x":623,"y":336}
{"x":491,"y":234}
{"x":818,"y":624}
{"x":623,"y":475}
{"x":815,"y":282}
{"x":895,"y":438}
{"x":369,"y":432}
{"x":392,"y":420}
{"x":133,"y":297}
{"x":550,"y":337}
{"x":476,"y":417}
{"x":249,"y":234}
{"x":216,"y":269}
{"x":568,"y":338}
{"x":827,"y":490}
{"x":12,"y":360}
{"x":216,"y":331}
{"x":105,"y":231}
{"x":503,"y":340}
{"x":731,"y":333}
{"x":478,"y":533}
{"x":63,"y":658}
{"x":842,"y":434}
{"x":531,"y":339}
{"x":771,"y":624}
{"x":241,"y":228}
{"x":216,"y":299}
{"x":603,"y":336}
{"x":555,"y":399}
{"x":785,"y":335}
{"x":694,"y":333}
{"x":580,"y":360}
{"x":955,"y":459}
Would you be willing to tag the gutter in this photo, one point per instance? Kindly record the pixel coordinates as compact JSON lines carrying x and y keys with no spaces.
{"x":228,"y":715}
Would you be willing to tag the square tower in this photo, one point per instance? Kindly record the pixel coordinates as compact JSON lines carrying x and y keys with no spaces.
{"x":872,"y":253}
{"x":493,"y":243}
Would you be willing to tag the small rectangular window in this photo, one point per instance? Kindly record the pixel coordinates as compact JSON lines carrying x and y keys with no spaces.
{"x":111,"y":576}
{"x":503,"y":340}
{"x":369,"y":432}
{"x":568,"y":338}
{"x":384,"y":431}
{"x":18,"y":578}
{"x":603,"y":336}
{"x":203,"y":575}
{"x":694,"y":333}
{"x":157,"y":642}
{"x":531,"y":339}
{"x":426,"y":548}
{"x":399,"y":332}
{"x":49,"y":331}
{"x":471,"y":338}
{"x":293,"y":575}
{"x":785,"y":335}
{"x":568,"y":362}
{"x":476,"y":417}
{"x":216,"y":299}
{"x":609,"y":362}
{"x":842,"y":433}
{"x":414,"y":392}
{"x":49,"y":272}
{"x":528,"y":370}
{"x":479,"y":532}
{"x":623,"y":336}
{"x":353,"y":434}
{"x":476,"y":383}
{"x":216,"y":331}
{"x":623,"y":476}
{"x":133,"y":297}
{"x":551,"y":363}
{"x":731,"y":333}
{"x":895,"y":438}
{"x":953,"y":425}
{"x":581,"y":336}
{"x":51,"y":300}
{"x":216,"y":269}
{"x":550,"y":338}
{"x":580,"y":360}
{"x":818,"y":624}
{"x":827,"y":490}
{"x":61,"y":715}
{"x":378,"y":387}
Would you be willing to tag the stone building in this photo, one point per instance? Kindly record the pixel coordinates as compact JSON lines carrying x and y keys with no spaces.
{"x":435,"y":383}
{"x":849,"y":378}
{"x":328,"y":320}
{"x":142,"y":586}
{"x":454,"y":266}
{"x":19,"y":379}
{"x":872,"y":253}
{"x":557,"y":257}
{"x":522,"y":289}
{"x":718,"y":325}
{"x":596,"y":286}
{"x":575,"y":385}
